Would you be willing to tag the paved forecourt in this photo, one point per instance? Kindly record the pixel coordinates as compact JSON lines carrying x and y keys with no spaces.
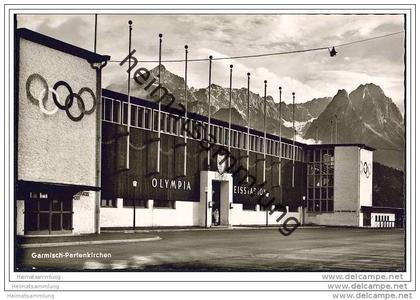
{"x":307,"y":249}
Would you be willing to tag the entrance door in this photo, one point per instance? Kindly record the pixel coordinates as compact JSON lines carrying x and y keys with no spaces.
{"x":48,"y":213}
{"x":216,"y":203}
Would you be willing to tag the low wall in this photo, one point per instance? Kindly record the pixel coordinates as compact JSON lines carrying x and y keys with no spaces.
{"x":186,"y":213}
{"x":84,"y":212}
{"x":333,"y":218}
{"x":258,"y":217}
{"x":382,"y":220}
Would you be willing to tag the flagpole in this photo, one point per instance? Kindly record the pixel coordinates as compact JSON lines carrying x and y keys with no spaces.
{"x":160,"y":103}
{"x":230,"y":111}
{"x":186,"y":110}
{"x":279,"y":111}
{"x":336,"y":129}
{"x":127,"y":163}
{"x":96,"y":32}
{"x":294,"y":140}
{"x":265,"y":129}
{"x":248,"y":130}
{"x":209,"y":114}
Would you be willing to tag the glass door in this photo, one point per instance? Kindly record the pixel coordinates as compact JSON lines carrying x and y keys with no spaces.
{"x":48,"y":213}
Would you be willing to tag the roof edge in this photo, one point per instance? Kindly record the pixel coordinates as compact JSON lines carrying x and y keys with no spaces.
{"x":53,"y":43}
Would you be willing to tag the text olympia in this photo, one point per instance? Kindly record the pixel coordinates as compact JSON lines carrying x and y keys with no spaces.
{"x":171,"y":184}
{"x":42,"y":98}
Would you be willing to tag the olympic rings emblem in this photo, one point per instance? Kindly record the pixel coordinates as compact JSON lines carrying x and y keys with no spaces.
{"x":43,"y":98}
{"x":365,"y":168}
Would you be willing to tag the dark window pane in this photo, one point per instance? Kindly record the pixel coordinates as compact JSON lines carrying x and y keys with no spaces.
{"x":325,"y":180}
{"x":140,"y":121}
{"x":330,"y":193}
{"x":311,"y":180}
{"x":108,"y":112}
{"x":310,"y":205}
{"x":248,"y":206}
{"x":116,"y":114}
{"x":317,"y":168}
{"x":67,"y":224}
{"x":317,"y":205}
{"x":311,"y":169}
{"x":317,"y":181}
{"x":44,"y":205}
{"x":133,"y":115}
{"x":317,"y":155}
{"x":67,"y":205}
{"x":44,"y":221}
{"x":330,"y":204}
{"x":310,"y":193}
{"x":31,"y":221}
{"x":147,"y":119}
{"x":163,"y":204}
{"x":155,"y":120}
{"x":317,"y":193}
{"x":56,"y":221}
{"x":125,"y":112}
{"x":323,"y":205}
{"x":31,"y":205}
{"x":323,"y":193}
{"x":55,"y":205}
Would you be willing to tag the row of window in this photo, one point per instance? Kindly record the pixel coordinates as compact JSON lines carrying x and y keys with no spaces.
{"x":320,"y":168}
{"x":381,"y":218}
{"x":320,"y":181}
{"x":147,"y":118}
{"x":321,"y":193}
{"x":139,"y":203}
{"x":320,"y":205}
{"x":320,"y":155}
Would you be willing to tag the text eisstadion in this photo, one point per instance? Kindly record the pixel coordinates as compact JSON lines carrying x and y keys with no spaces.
{"x":55,"y":255}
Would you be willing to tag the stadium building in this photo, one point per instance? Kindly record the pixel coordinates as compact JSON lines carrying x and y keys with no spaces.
{"x":80,"y":166}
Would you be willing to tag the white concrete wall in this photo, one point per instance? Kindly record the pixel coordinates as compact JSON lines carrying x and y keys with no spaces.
{"x":186,"y":213}
{"x":366,"y":177}
{"x":84,"y":213}
{"x":346,"y":179}
{"x":376,"y":224}
{"x":250,"y":217}
{"x":333,"y":219}
{"x":20,"y":217}
{"x":226,"y":197}
{"x":53,"y":148}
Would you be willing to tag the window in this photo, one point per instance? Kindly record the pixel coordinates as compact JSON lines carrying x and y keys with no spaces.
{"x":220,"y":139}
{"x":175,"y":123}
{"x":108,"y":109}
{"x":320,"y":178}
{"x":248,"y":206}
{"x":147,"y":118}
{"x":108,"y":202}
{"x":225,"y":142}
{"x":133,"y":115}
{"x":116,"y":111}
{"x":125,"y":113}
{"x":48,"y":212}
{"x":140,"y":118}
{"x":138,"y":203}
{"x":164,"y":204}
{"x":155,"y":120}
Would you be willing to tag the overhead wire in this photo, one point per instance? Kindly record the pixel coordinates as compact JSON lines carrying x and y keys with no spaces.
{"x":273,"y":53}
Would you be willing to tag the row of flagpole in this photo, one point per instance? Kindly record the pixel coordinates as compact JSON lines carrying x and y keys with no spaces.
{"x":209,"y":115}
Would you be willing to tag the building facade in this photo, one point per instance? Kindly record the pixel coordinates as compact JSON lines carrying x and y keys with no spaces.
{"x":87,"y":158}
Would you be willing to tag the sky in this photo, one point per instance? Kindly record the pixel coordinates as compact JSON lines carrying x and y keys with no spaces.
{"x":309,"y":75}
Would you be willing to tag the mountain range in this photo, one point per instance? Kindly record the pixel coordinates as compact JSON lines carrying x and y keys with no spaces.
{"x":366,"y":115}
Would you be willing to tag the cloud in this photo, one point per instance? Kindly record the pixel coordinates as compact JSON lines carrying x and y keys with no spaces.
{"x":312,"y":74}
